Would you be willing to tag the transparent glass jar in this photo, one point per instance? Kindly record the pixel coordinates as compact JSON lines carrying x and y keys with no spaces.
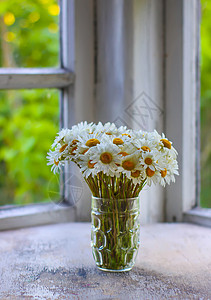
{"x":115,"y":233}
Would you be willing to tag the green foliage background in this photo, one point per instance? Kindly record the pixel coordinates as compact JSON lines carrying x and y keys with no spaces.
{"x":206,"y":103}
{"x":29,"y":119}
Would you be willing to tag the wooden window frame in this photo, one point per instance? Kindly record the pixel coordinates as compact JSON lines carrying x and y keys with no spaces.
{"x":62,"y":78}
{"x":182,"y":106}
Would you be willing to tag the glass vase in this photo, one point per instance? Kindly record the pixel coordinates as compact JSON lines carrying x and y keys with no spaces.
{"x":115,"y":233}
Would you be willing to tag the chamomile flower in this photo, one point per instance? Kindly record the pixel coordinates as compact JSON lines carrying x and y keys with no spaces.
{"x":127,"y":149}
{"x":129,"y":164}
{"x":152,"y":176}
{"x":122,"y":130}
{"x":153,"y":136}
{"x":138,"y":134}
{"x":144,"y":145}
{"x":167,"y":146}
{"x":108,"y":128}
{"x":87,"y":166}
{"x":88,"y":140}
{"x":167,"y":176}
{"x":53,"y":158}
{"x":106,"y":157}
{"x":82,"y":127}
{"x":120,"y":140}
{"x":149,"y":160}
{"x":141,"y":156}
{"x":63,"y":137}
{"x":138,"y":176}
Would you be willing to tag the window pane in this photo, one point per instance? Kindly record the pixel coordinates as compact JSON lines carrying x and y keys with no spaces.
{"x":206,"y":104}
{"x":29,"y":33}
{"x":29,"y":121}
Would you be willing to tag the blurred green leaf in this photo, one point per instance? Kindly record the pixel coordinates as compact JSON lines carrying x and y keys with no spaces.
{"x":206,"y":104}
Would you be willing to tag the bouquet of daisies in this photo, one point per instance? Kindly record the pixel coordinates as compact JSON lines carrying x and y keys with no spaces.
{"x":115,"y":162}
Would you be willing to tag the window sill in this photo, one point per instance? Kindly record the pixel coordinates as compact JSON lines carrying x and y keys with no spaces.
{"x":56,"y":262}
{"x":35,"y":214}
{"x":198,"y":215}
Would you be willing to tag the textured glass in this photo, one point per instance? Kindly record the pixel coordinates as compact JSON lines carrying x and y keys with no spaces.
{"x":115,"y":233}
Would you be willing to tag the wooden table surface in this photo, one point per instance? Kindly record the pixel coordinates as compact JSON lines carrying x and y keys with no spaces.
{"x":55,"y":262}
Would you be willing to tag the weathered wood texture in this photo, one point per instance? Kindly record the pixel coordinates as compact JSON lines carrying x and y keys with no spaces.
{"x":148,"y":109}
{"x":135,"y":65}
{"x":55,"y":262}
{"x":77,"y":55}
{"x":129,"y":74}
{"x":198,"y":215}
{"x":34,"y":215}
{"x":181,"y":97}
{"x":28,"y":78}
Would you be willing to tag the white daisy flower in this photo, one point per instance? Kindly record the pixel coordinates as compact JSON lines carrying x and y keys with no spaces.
{"x":130,"y":164}
{"x":62,"y":137}
{"x":138,"y":134}
{"x":138,"y":176}
{"x":53,"y":158}
{"x":87,"y":141}
{"x":82,"y":127}
{"x":169,"y":169}
{"x":154,"y":136}
{"x":149,"y":160}
{"x":140,"y":155}
{"x":127,"y":149}
{"x":121,"y":130}
{"x":165,"y":144}
{"x":120,"y":140}
{"x":152,"y":176}
{"x":106,"y":157}
{"x":108,"y":128}
{"x":87,"y":166}
{"x":144,"y":145}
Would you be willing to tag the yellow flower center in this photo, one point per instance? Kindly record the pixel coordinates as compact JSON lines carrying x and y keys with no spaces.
{"x":63,"y":148}
{"x":127,"y":135}
{"x":106,"y":158}
{"x":56,"y":162}
{"x":85,"y":151}
{"x":145,"y":148}
{"x":150,"y":172}
{"x":123,"y":153}
{"x":74,"y":142}
{"x":118,"y":141}
{"x":92,"y":142}
{"x":166,"y":143}
{"x":108,"y":133}
{"x":90,"y":164}
{"x":148,"y":161}
{"x":135,"y":174}
{"x":73,"y":149}
{"x":128,"y":165}
{"x":163,"y":172}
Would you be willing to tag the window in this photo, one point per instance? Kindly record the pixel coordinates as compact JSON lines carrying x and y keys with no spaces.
{"x":116,"y":60}
{"x":205,"y":104}
{"x":32,"y":79}
{"x":29,"y":121}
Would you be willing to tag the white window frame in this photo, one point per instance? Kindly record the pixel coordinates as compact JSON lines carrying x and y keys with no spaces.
{"x":182,"y":105}
{"x":12,"y":216}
